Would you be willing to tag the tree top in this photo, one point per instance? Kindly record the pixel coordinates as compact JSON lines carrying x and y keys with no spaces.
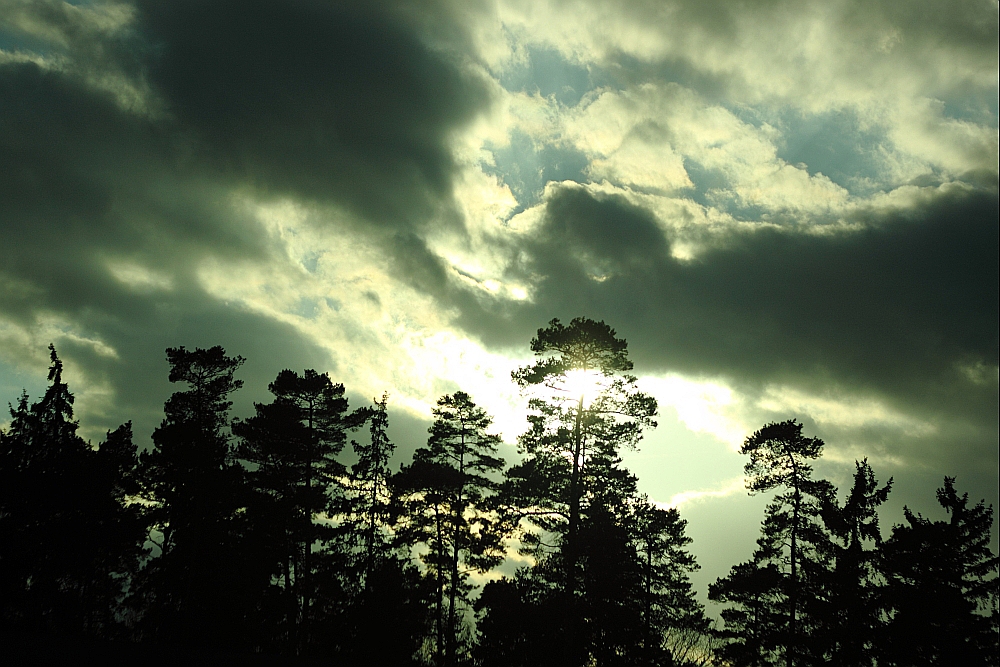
{"x":585,"y":344}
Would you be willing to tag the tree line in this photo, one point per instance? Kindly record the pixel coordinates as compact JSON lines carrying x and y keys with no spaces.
{"x":253,"y":537}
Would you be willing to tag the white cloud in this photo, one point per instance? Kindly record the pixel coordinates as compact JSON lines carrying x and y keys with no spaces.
{"x":139,"y":278}
{"x":728,"y":488}
{"x":922,"y":130}
{"x":890,"y":69}
{"x":842,"y":411}
{"x":642,"y":162}
{"x":703,"y":406}
{"x":622,"y":129}
{"x":382,"y":335}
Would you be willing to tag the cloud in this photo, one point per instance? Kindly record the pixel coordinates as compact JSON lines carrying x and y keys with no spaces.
{"x":645,"y":136}
{"x":328,"y":102}
{"x":812,"y":55}
{"x":732,"y":487}
{"x":768,"y":299}
{"x":782,"y":207}
{"x":884,"y":311}
{"x":128,"y":213}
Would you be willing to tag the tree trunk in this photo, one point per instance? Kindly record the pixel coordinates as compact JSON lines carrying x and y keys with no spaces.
{"x":456,"y":517}
{"x":574,"y":501}
{"x":439,"y":585}
{"x":794,"y":592}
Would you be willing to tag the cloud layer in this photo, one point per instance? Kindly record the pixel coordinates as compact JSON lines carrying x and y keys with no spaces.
{"x":794,"y":203}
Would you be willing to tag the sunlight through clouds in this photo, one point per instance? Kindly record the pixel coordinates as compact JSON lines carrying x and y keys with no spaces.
{"x":787,"y":209}
{"x":703,"y":406}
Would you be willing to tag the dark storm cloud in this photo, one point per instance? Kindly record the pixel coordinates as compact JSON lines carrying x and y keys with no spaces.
{"x":896,"y":307}
{"x":320,"y":100}
{"x":81,"y":174}
{"x":87,"y":184}
{"x":903,"y":312}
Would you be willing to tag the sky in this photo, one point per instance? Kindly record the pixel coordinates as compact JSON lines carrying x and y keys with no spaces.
{"x":788,"y":210}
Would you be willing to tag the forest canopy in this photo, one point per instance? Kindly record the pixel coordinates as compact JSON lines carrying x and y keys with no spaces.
{"x":255,"y":537}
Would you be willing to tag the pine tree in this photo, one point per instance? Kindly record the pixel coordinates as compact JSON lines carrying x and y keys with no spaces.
{"x":755,"y":621}
{"x":292,"y":445}
{"x":668,"y":604}
{"x":191,"y":591}
{"x":448,"y":484}
{"x":586,"y":407}
{"x":791,"y":534}
{"x":571,"y":489}
{"x":270,"y":446}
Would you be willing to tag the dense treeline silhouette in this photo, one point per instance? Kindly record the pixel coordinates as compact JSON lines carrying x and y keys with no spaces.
{"x":252,"y":538}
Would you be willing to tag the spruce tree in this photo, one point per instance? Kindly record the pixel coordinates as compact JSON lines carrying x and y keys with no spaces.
{"x":370,"y":477}
{"x":943,"y":586}
{"x":634,"y":589}
{"x":384,"y":586}
{"x":854,"y":625}
{"x":69,"y":541}
{"x":755,"y":621}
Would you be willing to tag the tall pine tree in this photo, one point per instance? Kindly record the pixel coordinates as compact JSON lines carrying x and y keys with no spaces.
{"x":448,"y":484}
{"x":192,"y":592}
{"x":292,"y":446}
{"x":610,"y":572}
{"x":793,"y":545}
{"x":584,"y":408}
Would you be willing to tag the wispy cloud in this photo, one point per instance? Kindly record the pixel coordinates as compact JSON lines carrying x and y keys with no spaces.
{"x":731,"y":487}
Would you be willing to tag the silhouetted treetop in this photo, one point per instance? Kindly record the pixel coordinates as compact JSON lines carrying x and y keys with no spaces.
{"x":778,"y":454}
{"x":857,"y":520}
{"x":234,"y":538}
{"x":584,"y":345}
{"x":942,"y":587}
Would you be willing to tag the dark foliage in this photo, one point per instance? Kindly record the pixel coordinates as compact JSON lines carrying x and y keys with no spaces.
{"x":446,"y":494}
{"x":199,"y":590}
{"x":855,"y":620}
{"x":251,"y":540}
{"x":781,"y":595}
{"x":943,"y":587}
{"x":68,"y":538}
{"x":291,"y":446}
